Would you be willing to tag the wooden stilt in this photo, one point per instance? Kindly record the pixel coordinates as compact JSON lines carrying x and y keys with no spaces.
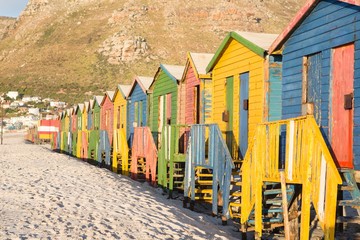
{"x":285,"y":205}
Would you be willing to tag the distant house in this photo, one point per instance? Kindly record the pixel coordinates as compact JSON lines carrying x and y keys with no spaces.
{"x":26,"y":98}
{"x":35,"y":99}
{"x":57,"y":104}
{"x":12,"y":94}
{"x":34,"y":111}
{"x":14,"y":105}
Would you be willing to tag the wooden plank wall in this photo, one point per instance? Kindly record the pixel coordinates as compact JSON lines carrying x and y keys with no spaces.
{"x":107,"y":117}
{"x":191,"y":82}
{"x":137,"y":95}
{"x":238,"y":59}
{"x":163,"y":85}
{"x":330,"y":24}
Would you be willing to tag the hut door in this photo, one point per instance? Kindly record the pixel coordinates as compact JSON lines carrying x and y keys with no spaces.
{"x":196,"y":104}
{"x":244,"y":114}
{"x":342,"y":105}
{"x":161,"y":113}
{"x":229,"y":112}
{"x":313,"y":84}
{"x":168,"y":109}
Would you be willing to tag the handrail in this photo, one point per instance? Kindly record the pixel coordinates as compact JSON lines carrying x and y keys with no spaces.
{"x":219,"y":160}
{"x":169,"y":148}
{"x":144,"y":147}
{"x":121,"y":147}
{"x":297,"y":144}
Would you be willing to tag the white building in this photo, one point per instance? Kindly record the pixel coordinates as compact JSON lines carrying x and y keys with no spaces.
{"x":12,"y":94}
{"x":26,"y":98}
{"x":34,"y":111}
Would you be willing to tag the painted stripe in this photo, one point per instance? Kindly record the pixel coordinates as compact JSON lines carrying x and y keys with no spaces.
{"x":48,"y":129}
{"x":291,"y":150}
{"x":322,"y":190}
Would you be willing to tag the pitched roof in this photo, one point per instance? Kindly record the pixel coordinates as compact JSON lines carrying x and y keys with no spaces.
{"x":98,"y":99}
{"x":144,"y":83}
{"x":110,"y":95}
{"x":173,"y":71}
{"x":200,"y":61}
{"x":86,"y":106}
{"x":297,"y":20}
{"x":124,"y":89}
{"x":80,"y":106}
{"x":259,"y":43}
{"x":91,"y":104}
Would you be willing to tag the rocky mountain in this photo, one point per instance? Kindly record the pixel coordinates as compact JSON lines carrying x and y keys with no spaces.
{"x":72,"y":49}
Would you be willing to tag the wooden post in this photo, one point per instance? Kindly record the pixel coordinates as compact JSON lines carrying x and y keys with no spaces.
{"x":285,"y":204}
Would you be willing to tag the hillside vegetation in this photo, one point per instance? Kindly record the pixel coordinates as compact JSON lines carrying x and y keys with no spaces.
{"x":72,"y":49}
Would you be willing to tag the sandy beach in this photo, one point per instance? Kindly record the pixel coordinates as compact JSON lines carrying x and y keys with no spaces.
{"x":47,"y":195}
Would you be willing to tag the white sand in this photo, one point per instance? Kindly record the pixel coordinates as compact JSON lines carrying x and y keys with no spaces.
{"x":46,"y":195}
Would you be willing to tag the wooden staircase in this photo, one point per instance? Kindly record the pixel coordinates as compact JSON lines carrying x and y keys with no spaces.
{"x":349,"y":198}
{"x":291,"y":152}
{"x":208,"y":169}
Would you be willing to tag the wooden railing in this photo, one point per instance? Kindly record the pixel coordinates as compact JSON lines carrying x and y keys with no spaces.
{"x":120,"y":151}
{"x":144,"y":147}
{"x":104,"y":148}
{"x":215,"y":156}
{"x":172,"y":149}
{"x":297,"y":146}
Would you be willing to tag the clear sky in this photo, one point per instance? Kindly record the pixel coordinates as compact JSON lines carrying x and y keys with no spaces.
{"x":12,"y":8}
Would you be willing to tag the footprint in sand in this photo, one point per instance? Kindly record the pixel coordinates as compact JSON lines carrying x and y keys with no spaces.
{"x":60,"y":204}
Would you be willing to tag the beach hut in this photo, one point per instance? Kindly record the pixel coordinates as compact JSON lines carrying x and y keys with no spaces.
{"x":137,"y":105}
{"x":163,"y":98}
{"x":195,"y":90}
{"x":120,"y":159}
{"x":94,"y":132}
{"x":79,"y":114}
{"x":74,"y":128}
{"x":106,"y":128}
{"x":321,"y":77}
{"x":65,"y":123}
{"x":56,"y":135}
{"x":238,"y":77}
{"x":84,"y":131}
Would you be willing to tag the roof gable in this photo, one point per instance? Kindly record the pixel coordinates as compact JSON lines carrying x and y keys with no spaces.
{"x":259,"y":43}
{"x":198,"y":62}
{"x":143,"y":82}
{"x":301,"y":15}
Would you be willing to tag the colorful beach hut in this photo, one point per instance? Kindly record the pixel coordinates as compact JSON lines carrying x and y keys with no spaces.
{"x":84,"y":132}
{"x":238,"y":77}
{"x":321,"y":77}
{"x":163,"y":98}
{"x":120,"y":161}
{"x":195,"y":90}
{"x":74,"y":129}
{"x":79,"y":114}
{"x":106,"y":128}
{"x":137,"y":105}
{"x":94,"y":132}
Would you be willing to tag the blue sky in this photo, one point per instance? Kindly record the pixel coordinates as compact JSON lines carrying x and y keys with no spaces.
{"x":12,"y":8}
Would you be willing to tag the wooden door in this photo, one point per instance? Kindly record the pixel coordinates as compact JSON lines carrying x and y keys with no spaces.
{"x":161,"y":113}
{"x":243,"y":114}
{"x":313,"y":84}
{"x":342,"y":105}
{"x":230,"y":111}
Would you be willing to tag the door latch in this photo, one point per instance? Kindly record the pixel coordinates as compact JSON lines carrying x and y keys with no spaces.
{"x":348,"y":101}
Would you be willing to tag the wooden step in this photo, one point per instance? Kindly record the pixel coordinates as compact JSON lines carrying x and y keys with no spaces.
{"x":276,"y":191}
{"x":203,"y":198}
{"x":267,"y":220}
{"x":236,"y":194}
{"x":204,"y":175}
{"x":197,"y":190}
{"x":235,"y":204}
{"x":342,"y":219}
{"x":204,"y":182}
{"x":236,"y":183}
{"x":346,"y":188}
{"x":350,"y":203}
